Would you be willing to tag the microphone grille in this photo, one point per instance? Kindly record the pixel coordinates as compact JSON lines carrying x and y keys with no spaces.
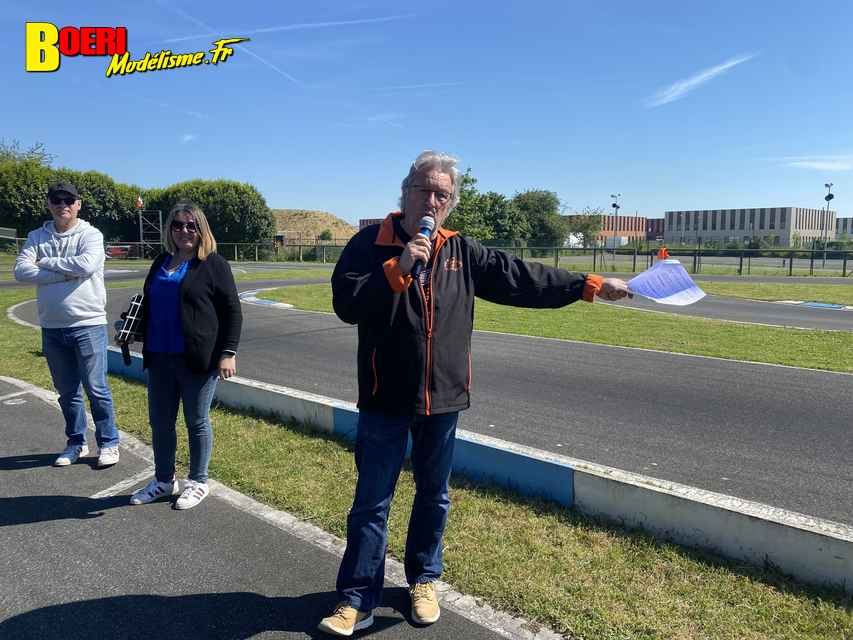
{"x":427,"y":222}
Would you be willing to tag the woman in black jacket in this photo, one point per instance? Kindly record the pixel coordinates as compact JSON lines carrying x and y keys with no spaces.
{"x":191,"y":321}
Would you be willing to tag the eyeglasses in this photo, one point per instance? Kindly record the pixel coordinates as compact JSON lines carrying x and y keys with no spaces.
{"x":441,"y":196}
{"x":189,"y":227}
{"x":69,"y":200}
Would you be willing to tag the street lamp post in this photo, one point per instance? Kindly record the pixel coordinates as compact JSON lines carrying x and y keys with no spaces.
{"x":827,"y":197}
{"x":615,"y":206}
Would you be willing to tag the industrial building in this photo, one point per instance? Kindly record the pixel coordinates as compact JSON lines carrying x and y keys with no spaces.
{"x":778,"y":226}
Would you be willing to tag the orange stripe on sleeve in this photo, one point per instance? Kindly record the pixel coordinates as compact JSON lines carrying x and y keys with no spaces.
{"x":396,"y":278}
{"x":592,"y":286}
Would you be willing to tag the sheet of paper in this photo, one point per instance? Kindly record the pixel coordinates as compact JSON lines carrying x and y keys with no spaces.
{"x":667,"y":282}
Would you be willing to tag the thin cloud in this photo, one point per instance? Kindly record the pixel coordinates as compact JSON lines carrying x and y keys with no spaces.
{"x":296,"y":27}
{"x":188,"y":137}
{"x":242,"y":47}
{"x":681,"y":88}
{"x":820,"y":163}
{"x":405,"y":87}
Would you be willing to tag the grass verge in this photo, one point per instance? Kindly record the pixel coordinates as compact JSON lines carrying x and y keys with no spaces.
{"x":584,"y":578}
{"x":608,"y":324}
{"x":832,"y":293}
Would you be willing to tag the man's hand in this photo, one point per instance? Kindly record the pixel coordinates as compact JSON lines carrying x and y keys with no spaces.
{"x":227,"y":367}
{"x":418,"y":249}
{"x":614,"y":289}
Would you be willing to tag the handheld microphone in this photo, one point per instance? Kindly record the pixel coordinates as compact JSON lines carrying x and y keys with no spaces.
{"x":427,"y":224}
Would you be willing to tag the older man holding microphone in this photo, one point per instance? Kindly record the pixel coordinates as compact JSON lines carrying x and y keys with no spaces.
{"x":409,"y":284}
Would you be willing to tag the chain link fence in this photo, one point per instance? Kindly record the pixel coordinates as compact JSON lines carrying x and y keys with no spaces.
{"x":744,"y":262}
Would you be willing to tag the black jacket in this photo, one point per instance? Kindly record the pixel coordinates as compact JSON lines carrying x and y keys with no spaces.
{"x":211,"y":317}
{"x":414,"y":358}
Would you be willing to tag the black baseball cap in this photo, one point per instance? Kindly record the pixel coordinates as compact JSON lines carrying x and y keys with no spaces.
{"x":62,"y":186}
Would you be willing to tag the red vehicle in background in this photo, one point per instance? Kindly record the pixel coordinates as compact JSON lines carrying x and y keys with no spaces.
{"x":117,"y":251}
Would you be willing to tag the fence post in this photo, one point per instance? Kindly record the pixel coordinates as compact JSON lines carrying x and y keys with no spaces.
{"x":235,"y":252}
{"x":256,"y":253}
{"x":300,"y":253}
{"x":811,"y":260}
{"x":740,"y":265}
{"x":791,"y":264}
{"x":634,"y":267}
{"x":844,"y":265}
{"x":556,"y":258}
{"x":324,"y":254}
{"x":594,"y":256}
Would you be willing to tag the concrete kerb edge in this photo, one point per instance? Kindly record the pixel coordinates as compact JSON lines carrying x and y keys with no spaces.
{"x":464,"y":605}
{"x":809,"y":549}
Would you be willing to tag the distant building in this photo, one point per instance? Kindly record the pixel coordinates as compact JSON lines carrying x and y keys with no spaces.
{"x":779,"y":226}
{"x":366,"y":222}
{"x":620,"y":230}
{"x":654,"y":229}
{"x":844,"y":228}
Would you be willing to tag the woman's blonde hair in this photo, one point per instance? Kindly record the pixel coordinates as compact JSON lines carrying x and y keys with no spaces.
{"x":206,"y":244}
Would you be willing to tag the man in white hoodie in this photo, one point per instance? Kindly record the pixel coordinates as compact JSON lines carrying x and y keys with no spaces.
{"x":65,"y":260}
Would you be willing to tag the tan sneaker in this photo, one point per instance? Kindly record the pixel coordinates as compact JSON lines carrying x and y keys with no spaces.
{"x":345,"y":620}
{"x":424,"y":603}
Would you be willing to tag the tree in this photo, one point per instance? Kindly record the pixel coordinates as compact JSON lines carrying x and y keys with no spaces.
{"x":237,"y":212}
{"x":36,"y":153}
{"x":541,"y":209}
{"x":467,"y":217}
{"x":502,"y":218}
{"x":587,"y":225}
{"x":325,"y":235}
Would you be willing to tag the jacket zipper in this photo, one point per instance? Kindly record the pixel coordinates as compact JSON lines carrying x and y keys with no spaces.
{"x":375,"y":373}
{"x":428,"y":329}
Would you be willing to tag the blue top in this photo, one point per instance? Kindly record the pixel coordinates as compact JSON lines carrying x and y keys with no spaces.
{"x":164,"y":333}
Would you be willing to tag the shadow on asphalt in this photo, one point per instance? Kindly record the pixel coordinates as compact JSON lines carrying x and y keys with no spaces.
{"x":32,"y":509}
{"x":209,"y":616}
{"x":30,"y":461}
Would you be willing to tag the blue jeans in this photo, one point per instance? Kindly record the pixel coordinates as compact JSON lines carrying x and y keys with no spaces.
{"x":380,"y":448}
{"x":170,"y":382}
{"x":77,"y":358}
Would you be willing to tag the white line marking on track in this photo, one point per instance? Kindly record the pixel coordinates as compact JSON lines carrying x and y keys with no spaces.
{"x":12,"y":395}
{"x":10,"y":313}
{"x":117,"y":488}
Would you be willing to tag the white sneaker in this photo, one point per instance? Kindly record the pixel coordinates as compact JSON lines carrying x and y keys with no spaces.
{"x":72,"y":453}
{"x":108,"y":456}
{"x":193,"y":493}
{"x":155,"y":490}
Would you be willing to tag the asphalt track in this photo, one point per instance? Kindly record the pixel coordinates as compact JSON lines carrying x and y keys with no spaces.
{"x":777,"y":435}
{"x":79,"y":562}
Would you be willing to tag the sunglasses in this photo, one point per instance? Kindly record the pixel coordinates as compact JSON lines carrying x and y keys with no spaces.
{"x":69,"y":200}
{"x":189,"y":227}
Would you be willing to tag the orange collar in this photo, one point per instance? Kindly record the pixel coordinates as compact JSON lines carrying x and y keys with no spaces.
{"x":387,"y":236}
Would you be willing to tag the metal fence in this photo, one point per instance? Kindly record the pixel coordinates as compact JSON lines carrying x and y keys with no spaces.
{"x":745,"y":262}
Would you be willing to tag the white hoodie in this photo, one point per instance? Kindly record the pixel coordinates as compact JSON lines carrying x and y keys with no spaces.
{"x":68,"y":269}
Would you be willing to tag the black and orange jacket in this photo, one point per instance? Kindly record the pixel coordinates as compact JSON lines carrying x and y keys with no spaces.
{"x":414,"y":354}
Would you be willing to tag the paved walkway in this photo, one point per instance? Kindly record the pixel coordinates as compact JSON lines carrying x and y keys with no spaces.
{"x":78,"y":561}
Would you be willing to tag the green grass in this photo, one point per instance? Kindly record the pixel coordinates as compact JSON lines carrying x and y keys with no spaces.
{"x":834,"y":293}
{"x":606,"y":324}
{"x":584,"y":578}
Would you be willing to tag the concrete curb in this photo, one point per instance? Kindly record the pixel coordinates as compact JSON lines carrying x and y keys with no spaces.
{"x":809,"y":549}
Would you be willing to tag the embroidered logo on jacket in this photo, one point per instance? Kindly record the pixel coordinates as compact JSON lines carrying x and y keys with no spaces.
{"x":452,"y":264}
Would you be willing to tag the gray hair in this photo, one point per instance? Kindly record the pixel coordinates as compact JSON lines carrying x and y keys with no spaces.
{"x":433,"y":161}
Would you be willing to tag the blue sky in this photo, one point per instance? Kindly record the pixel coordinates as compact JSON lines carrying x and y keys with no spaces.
{"x":677,"y":105}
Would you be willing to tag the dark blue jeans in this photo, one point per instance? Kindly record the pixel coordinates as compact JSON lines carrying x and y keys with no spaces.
{"x":170,"y":382}
{"x":77,"y":358}
{"x":380,"y":449}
